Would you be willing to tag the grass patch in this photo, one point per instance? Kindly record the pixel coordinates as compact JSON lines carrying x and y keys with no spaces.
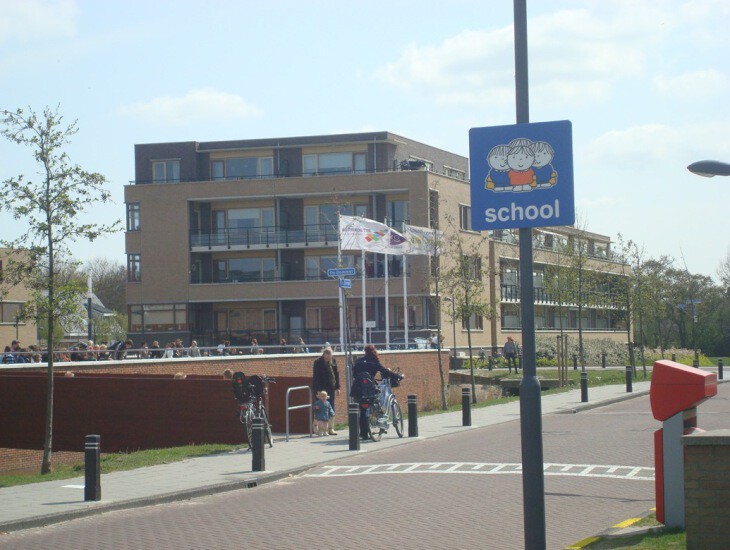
{"x":116,"y":462}
{"x":649,"y":541}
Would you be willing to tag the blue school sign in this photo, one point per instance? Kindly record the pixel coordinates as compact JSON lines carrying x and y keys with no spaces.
{"x":522,"y":175}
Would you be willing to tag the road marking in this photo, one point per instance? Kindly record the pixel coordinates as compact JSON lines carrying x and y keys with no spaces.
{"x":73,"y":486}
{"x":637,"y":473}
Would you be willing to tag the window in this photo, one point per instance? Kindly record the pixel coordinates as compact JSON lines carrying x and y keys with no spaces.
{"x":326,"y":214}
{"x":133,"y":216}
{"x":314,"y":318}
{"x":246,"y":218}
{"x":10,"y":312}
{"x":316,"y":266}
{"x":158,"y":317}
{"x":472,"y":266}
{"x":166,"y":171}
{"x":465,"y":217}
{"x":245,"y":319}
{"x":398,"y":213}
{"x":454,"y":173}
{"x":269,"y":319}
{"x":235,"y":270}
{"x":242,"y":168}
{"x":475,"y":322}
{"x":333,"y":163}
{"x":510,"y":316}
{"x":134,"y":268}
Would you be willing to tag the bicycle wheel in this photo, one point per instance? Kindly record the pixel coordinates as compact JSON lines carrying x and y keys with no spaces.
{"x":267,"y":432}
{"x":247,"y":419}
{"x":376,"y":432}
{"x":397,"y":417}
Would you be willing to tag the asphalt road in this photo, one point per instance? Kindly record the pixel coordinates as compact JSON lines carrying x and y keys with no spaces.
{"x":455,"y":491}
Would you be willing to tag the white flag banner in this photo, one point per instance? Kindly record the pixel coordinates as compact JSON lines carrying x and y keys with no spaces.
{"x":421,"y":240}
{"x":358,"y":233}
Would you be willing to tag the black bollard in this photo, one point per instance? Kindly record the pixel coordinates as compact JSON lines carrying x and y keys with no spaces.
{"x":575,"y":362}
{"x":584,"y":387}
{"x":353,"y":419}
{"x":695,"y":363}
{"x":629,"y":385}
{"x":258,"y":460}
{"x":603,"y":360}
{"x":674,"y":357}
{"x":719,"y":369}
{"x":92,"y":468}
{"x":466,"y":406}
{"x":412,"y":416}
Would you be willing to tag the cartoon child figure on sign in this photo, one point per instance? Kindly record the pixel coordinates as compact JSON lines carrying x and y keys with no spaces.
{"x":498,"y":177}
{"x":521,"y":175}
{"x":522,"y":165}
{"x":544,"y":171}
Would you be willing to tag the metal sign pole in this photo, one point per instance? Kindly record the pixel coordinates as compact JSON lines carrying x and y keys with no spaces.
{"x":533,"y":481}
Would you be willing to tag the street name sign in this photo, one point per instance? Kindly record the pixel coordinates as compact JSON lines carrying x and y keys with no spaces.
{"x":522,"y":175}
{"x":345,"y":283}
{"x":341,"y":272}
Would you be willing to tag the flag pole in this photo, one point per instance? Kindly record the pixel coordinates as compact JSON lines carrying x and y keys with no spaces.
{"x":339,"y":290}
{"x":364,"y":312}
{"x":405,"y":301}
{"x":387,"y":302}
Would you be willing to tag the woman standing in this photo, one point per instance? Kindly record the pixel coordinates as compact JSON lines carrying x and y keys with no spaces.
{"x":326,"y":377}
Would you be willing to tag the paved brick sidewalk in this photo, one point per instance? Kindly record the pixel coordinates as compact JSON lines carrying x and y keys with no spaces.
{"x":50,"y":502}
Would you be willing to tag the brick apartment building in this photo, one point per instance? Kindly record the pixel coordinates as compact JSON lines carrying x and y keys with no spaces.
{"x":231,"y":240}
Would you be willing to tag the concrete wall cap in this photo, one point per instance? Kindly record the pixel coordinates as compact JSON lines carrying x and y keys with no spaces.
{"x":713,"y":437}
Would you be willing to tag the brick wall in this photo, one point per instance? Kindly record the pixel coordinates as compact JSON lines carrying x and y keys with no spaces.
{"x":707,"y":489}
{"x":117,"y":397}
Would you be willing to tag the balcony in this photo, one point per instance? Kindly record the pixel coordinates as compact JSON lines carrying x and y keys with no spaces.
{"x":603,"y":300}
{"x":196,"y":278}
{"x":258,"y":238}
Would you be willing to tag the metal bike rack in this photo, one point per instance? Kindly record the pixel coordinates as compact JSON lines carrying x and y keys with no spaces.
{"x":308,"y":406}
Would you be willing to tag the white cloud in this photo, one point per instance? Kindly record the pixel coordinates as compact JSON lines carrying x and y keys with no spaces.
{"x":693,"y":85}
{"x":650,"y":147}
{"x":205,"y":104}
{"x":575,"y":55}
{"x":33,"y":20}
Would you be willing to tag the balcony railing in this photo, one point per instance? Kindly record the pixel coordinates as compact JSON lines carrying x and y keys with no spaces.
{"x":511,"y":293}
{"x":264,"y":236}
{"x":196,"y":278}
{"x":450,"y":172}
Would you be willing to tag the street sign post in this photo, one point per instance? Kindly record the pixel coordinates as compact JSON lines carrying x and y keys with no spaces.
{"x":522,"y":175}
{"x":341,"y":272}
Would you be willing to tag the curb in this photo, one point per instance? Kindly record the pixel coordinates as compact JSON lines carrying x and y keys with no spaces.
{"x":619,"y":531}
{"x":175,"y":496}
{"x":588,"y":406}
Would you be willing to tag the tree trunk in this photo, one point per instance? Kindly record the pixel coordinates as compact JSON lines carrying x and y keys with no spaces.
{"x":444,"y":404}
{"x":48,"y":438}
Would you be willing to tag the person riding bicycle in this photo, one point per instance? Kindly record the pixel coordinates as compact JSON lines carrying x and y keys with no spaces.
{"x":371,"y":364}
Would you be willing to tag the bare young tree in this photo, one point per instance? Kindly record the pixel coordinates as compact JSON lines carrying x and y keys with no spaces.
{"x":50,"y":207}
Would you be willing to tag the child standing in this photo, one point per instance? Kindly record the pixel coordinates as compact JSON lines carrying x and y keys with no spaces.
{"x":323,"y":411}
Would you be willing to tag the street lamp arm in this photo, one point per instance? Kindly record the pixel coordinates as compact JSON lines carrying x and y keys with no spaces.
{"x":709,"y":168}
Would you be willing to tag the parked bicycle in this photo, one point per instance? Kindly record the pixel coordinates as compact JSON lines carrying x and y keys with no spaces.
{"x":382,"y":410}
{"x":251,"y":395}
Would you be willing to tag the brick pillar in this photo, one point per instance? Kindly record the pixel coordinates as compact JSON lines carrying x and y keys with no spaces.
{"x":707,"y":489}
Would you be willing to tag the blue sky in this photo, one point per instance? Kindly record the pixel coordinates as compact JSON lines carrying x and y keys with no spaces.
{"x":645,"y":84}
